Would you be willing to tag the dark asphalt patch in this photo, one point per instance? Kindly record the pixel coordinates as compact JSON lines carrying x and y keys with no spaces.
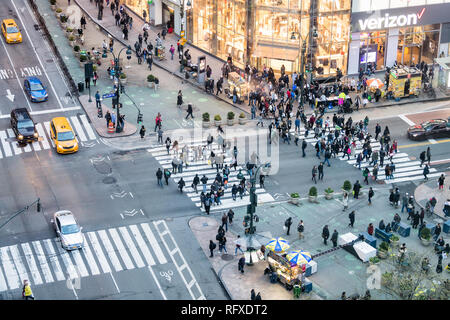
{"x":109,"y":180}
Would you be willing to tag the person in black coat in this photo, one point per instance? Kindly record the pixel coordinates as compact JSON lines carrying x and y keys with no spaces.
{"x":381,"y":226}
{"x":212,"y":246}
{"x":189,"y":111}
{"x":241,"y":264}
{"x":356,"y":188}
{"x":287,"y":224}
{"x":325,"y":234}
{"x":181,"y":184}
{"x":179,"y":99}
{"x":334,"y":238}
{"x":351,"y":216}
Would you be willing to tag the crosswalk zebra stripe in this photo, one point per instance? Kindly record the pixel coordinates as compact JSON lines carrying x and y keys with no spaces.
{"x":87,"y":126}
{"x":78,"y":128}
{"x":89,"y":257}
{"x":43,"y":262}
{"x":121,"y":249}
{"x":41,"y":132}
{"x":131,"y":247}
{"x":5,"y":144}
{"x":151,"y":238}
{"x":73,"y":128}
{"x":47,"y":129}
{"x":20,"y":267}
{"x":79,"y":263}
{"x":56,"y":267}
{"x":70,"y":268}
{"x":141,"y":243}
{"x":36,"y":146}
{"x":27,"y":147}
{"x":411,"y":178}
{"x":110,"y":250}
{"x":32,"y":263}
{"x":14,"y":143}
{"x":3,"y":285}
{"x":10,"y":269}
{"x":99,"y":252}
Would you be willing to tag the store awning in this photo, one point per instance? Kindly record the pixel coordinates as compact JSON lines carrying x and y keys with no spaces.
{"x":288,"y":54}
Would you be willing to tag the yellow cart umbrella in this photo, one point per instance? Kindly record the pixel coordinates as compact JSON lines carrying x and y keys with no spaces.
{"x":278,"y":245}
{"x":299,"y":257}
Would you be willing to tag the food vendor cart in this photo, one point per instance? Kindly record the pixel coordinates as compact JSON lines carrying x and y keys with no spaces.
{"x":236,"y":81}
{"x":287,"y":273}
{"x":405,"y":81}
{"x":160,"y":53}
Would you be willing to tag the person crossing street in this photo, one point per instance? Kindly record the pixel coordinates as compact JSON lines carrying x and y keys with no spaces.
{"x":189,"y":111}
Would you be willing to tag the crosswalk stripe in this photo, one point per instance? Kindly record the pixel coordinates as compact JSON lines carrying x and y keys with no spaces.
{"x":41,"y":132}
{"x":27,"y":147}
{"x":87,"y":126}
{"x":20,"y":267}
{"x":73,"y":128}
{"x":14,"y":143}
{"x":5,"y":144}
{"x":121,"y":249}
{"x":79,"y":263}
{"x":110,"y":250}
{"x":36,"y":146}
{"x":151,"y":238}
{"x":56,"y":267}
{"x":10,"y":269}
{"x":43,"y":262}
{"x":99,"y":252}
{"x":131,"y":247}
{"x":32,"y":263}
{"x":89,"y":257}
{"x":70,"y":268}
{"x":410,"y":178}
{"x":78,"y":128}
{"x":141,"y":243}
{"x":3,"y":285}
{"x":47,"y":129}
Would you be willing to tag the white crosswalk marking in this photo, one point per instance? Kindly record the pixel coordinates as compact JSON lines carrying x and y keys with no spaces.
{"x":110,"y":250}
{"x":47,"y":129}
{"x":141,"y":243}
{"x":79,"y":263}
{"x":27,"y":147}
{"x":78,"y":129}
{"x":121,"y":249}
{"x":89,"y":257}
{"x":10,"y":270}
{"x":43,"y":262}
{"x":36,"y":146}
{"x":42,"y":134}
{"x":11,"y":134}
{"x":71,"y":271}
{"x":3,"y":285}
{"x":99,"y":252}
{"x":155,"y":246}
{"x":87,"y":126}
{"x":130,"y":246}
{"x":31,"y":263}
{"x":52,"y":256}
{"x":20,"y":266}
{"x":5,"y":144}
{"x":76,"y":136}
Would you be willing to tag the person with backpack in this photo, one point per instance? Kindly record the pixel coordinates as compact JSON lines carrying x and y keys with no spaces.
{"x":287,"y":224}
{"x":195,"y":182}
{"x":212,"y":246}
{"x":208,"y":202}
{"x":167,"y":175}
{"x":301,"y":229}
{"x":142,"y":132}
{"x":181,"y":184}
{"x":422,"y":158}
{"x":159,"y":175}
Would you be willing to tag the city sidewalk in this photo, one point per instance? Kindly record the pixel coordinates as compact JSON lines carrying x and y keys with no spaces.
{"x":429,"y":189}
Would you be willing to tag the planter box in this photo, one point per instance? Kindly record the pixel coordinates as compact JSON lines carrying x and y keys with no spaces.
{"x":295,"y":201}
{"x":312,"y":199}
{"x":82,"y":64}
{"x":230,"y":122}
{"x":58,"y":14}
{"x":72,"y":43}
{"x":64,"y":25}
{"x":217,"y":123}
{"x":77,"y":54}
{"x":382,"y":254}
{"x":426,"y":243}
{"x":53,"y":7}
{"x":329,"y":196}
{"x":123,"y":81}
{"x":242,"y":121}
{"x":151,"y":85}
{"x":205,"y":124}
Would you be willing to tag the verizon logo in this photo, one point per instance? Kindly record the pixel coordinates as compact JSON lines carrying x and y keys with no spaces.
{"x":389,"y":21}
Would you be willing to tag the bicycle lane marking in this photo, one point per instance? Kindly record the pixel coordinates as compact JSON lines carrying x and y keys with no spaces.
{"x":164,"y":231}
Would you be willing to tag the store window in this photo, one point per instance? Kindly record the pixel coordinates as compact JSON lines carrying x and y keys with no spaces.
{"x":372,"y":49}
{"x":418,"y":44}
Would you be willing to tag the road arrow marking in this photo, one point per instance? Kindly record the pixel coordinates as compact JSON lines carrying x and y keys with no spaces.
{"x":9,"y":95}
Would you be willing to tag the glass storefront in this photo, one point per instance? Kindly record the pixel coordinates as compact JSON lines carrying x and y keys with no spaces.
{"x":418,"y":44}
{"x":137,"y":6}
{"x":372,"y":49}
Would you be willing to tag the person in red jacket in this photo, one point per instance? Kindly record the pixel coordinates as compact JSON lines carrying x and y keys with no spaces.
{"x":158,"y":121}
{"x":370,"y":229}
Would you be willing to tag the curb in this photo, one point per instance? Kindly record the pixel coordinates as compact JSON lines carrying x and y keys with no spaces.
{"x":156,"y":62}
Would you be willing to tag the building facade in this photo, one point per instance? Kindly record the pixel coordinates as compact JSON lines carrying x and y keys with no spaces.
{"x":271,"y":32}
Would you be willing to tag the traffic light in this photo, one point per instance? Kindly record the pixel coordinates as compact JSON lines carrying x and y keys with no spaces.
{"x":129,"y":52}
{"x":139,"y":118}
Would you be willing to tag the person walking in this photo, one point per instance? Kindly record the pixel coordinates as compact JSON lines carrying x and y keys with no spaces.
{"x":351,"y":216}
{"x":238,"y":247}
{"x":167,"y":175}
{"x":98,"y":101}
{"x":426,"y":171}
{"x":212,"y":246}
{"x":230,"y":215}
{"x":252,"y":294}
{"x":314,"y":173}
{"x":371,"y":194}
{"x":160,"y":135}
{"x":107,"y":118}
{"x":208,"y":202}
{"x":241,"y":264}
{"x":288,"y":224}
{"x":181,"y":184}
{"x":159,"y":175}
{"x":325,"y":234}
{"x":83,"y":22}
{"x":195,"y":182}
{"x":345,"y":200}
{"x":441,"y":182}
{"x":437,"y":231}
{"x":304,"y":145}
{"x":225,"y":221}
{"x":428,"y":155}
{"x":301,"y":229}
{"x":179,"y":99}
{"x":422,"y":158}
{"x":223,"y":244}
{"x":320,"y":169}
{"x":172,"y":51}
{"x":27,"y":293}
{"x":189,"y":111}
{"x":356,"y":188}
{"x":334,"y":238}
{"x":370,"y":229}
{"x":142,"y":132}
{"x":366,"y":173}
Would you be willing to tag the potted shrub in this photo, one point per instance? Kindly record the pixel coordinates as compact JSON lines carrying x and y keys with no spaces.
{"x":374,"y":260}
{"x":205,"y":120}
{"x":230,"y":118}
{"x":329,"y":193}
{"x":69,"y":31}
{"x":217,"y":120}
{"x":312,"y":194}
{"x":151,"y":81}
{"x":58,"y":12}
{"x":383,"y":249}
{"x":394,"y":241}
{"x":295,"y":198}
{"x":53,"y":4}
{"x":386,"y":279}
{"x":63,"y":18}
{"x":123,"y":78}
{"x":347,"y":186}
{"x":425,"y":236}
{"x":83,"y":59}
{"x":72,"y":41}
{"x":76,"y":50}
{"x":242,"y":118}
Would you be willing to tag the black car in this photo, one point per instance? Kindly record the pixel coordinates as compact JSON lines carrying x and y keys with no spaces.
{"x":23,"y":126}
{"x":437,"y":128}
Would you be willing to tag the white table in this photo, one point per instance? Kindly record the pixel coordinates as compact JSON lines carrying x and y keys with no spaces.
{"x":365,"y":251}
{"x":346,"y":238}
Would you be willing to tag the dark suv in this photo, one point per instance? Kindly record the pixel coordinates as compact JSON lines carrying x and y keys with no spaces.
{"x":23,"y":126}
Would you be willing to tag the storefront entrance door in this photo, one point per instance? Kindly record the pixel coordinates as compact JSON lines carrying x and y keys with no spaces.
{"x":411,"y":55}
{"x":168,"y":17}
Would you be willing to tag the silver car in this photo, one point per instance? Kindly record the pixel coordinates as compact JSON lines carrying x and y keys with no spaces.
{"x":68,"y":230}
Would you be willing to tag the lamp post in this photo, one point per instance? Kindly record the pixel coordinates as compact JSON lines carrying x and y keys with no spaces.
{"x":182,"y":3}
{"x":116,"y":76}
{"x":302,"y":63}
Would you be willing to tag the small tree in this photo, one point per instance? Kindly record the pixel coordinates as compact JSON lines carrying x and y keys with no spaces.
{"x":53,"y":2}
{"x":230,"y":115}
{"x":76,"y":48}
{"x":295,"y":195}
{"x":122,"y":76}
{"x":83,"y":58}
{"x":313,"y":192}
{"x":71,"y":38}
{"x":347,"y":185}
{"x":205,"y":117}
{"x":425,"y":234}
{"x":217,"y":117}
{"x":242,"y":115}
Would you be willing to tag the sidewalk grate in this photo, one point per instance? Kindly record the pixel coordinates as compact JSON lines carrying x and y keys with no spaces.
{"x":227,"y":257}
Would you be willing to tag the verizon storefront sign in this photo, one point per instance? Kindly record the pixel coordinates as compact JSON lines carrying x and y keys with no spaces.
{"x":400,"y":17}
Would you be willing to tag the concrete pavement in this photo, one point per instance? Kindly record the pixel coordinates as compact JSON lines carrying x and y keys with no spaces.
{"x":426,"y":190}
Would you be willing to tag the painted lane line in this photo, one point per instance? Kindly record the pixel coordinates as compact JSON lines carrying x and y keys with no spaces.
{"x":151,"y":238}
{"x":89,"y":257}
{"x":43,"y":262}
{"x":47,"y":129}
{"x":56,"y":267}
{"x":41,"y":132}
{"x":32,"y":263}
{"x":37,"y":55}
{"x":404,"y":118}
{"x":115,"y":283}
{"x":175,"y":261}
{"x":14,"y":143}
{"x":78,"y":128}
{"x":87,"y":126}
{"x":79,"y":263}
{"x":20,"y":266}
{"x":71,"y":270}
{"x":7,"y":116}
{"x":5,"y":144}
{"x":121,"y":249}
{"x":10,"y":270}
{"x":131,"y":247}
{"x":110,"y":250}
{"x":99,"y":252}
{"x":432,"y":141}
{"x":3,"y":285}
{"x":141,"y":244}
{"x":157,"y":283}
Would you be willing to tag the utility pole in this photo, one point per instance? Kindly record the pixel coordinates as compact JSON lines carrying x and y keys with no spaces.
{"x":119,"y":85}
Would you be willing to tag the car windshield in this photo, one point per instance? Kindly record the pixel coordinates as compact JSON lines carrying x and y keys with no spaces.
{"x":25,"y":124}
{"x":36,"y":86}
{"x":65,"y":136}
{"x":12,"y":30}
{"x":71,"y":228}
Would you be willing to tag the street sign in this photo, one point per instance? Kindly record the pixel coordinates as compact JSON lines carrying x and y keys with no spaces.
{"x":108,"y":95}
{"x":182,"y":33}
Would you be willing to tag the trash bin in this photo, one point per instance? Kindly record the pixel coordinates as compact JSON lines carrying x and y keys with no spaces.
{"x":80,"y":86}
{"x":297,"y":291}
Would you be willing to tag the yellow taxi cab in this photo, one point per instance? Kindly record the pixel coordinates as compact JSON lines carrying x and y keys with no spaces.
{"x":63,"y":135}
{"x":11,"y":31}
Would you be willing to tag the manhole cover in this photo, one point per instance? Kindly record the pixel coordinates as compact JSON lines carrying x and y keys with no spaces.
{"x":102,"y":168}
{"x":227,"y":257}
{"x":109,"y":180}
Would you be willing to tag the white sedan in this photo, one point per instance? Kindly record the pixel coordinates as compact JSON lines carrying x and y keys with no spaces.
{"x":68,"y":230}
